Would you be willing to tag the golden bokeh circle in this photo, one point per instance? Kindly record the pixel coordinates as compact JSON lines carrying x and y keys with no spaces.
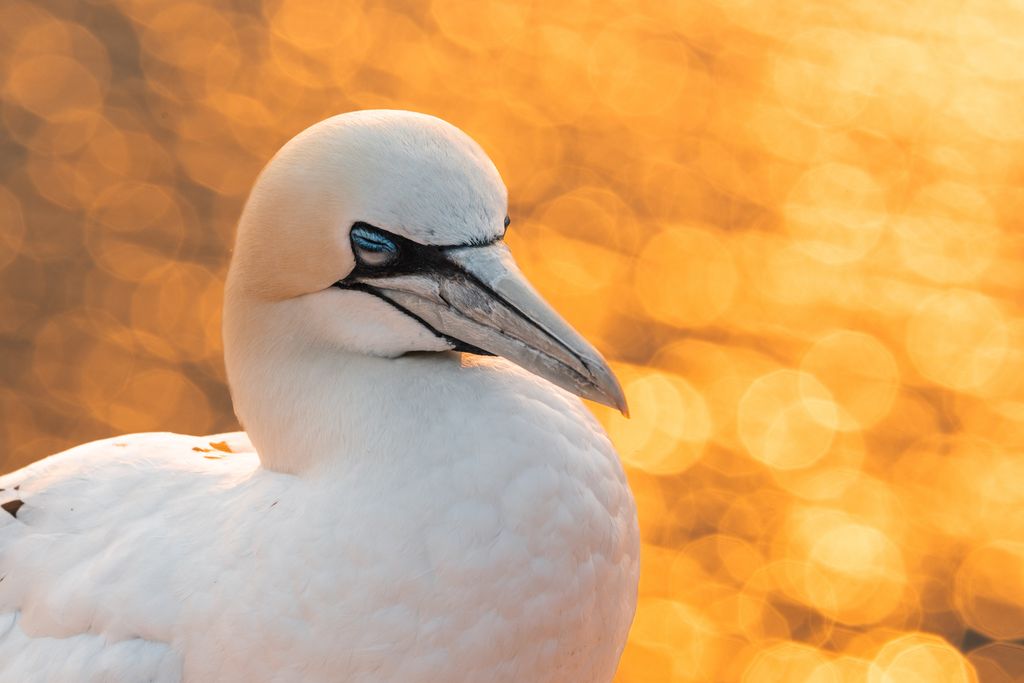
{"x":685,"y":276}
{"x":990,"y":590}
{"x":958,"y":339}
{"x":134,"y":230}
{"x":843,"y":567}
{"x":790,"y":661}
{"x":948,"y":233}
{"x":787,"y":419}
{"x":836,"y":213}
{"x":860,"y":373}
{"x":920,"y":658}
{"x":671,"y":428}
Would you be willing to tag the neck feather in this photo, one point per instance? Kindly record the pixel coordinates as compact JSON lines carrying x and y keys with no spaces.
{"x":309,"y":406}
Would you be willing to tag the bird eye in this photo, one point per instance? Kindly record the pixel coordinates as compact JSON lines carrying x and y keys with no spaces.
{"x":372,"y":247}
{"x":507,"y":221}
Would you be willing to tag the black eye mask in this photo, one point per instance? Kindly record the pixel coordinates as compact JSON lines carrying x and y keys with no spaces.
{"x":382,"y":254}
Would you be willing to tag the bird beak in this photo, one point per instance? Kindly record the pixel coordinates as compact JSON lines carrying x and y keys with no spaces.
{"x":478,"y":299}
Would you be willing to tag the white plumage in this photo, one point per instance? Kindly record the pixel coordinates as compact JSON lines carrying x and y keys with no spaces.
{"x":410,"y":516}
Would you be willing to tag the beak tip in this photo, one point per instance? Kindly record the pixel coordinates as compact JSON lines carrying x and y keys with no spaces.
{"x":604,"y":386}
{"x":612,"y":395}
{"x":619,"y":400}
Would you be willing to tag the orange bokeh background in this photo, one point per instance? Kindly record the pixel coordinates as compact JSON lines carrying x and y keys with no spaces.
{"x":793,"y":227}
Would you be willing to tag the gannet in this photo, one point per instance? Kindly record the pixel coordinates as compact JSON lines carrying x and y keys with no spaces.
{"x":419,"y":494}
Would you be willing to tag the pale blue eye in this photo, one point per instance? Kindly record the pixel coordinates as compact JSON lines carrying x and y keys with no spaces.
{"x":372,"y":240}
{"x":372,"y":247}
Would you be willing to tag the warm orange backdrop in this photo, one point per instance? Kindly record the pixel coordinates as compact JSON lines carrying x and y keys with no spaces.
{"x":794,"y":227}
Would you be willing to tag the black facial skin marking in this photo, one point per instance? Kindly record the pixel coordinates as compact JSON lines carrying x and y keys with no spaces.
{"x":457,"y":344}
{"x":413,"y":258}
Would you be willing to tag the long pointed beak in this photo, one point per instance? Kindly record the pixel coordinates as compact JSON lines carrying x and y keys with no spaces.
{"x":481,"y":302}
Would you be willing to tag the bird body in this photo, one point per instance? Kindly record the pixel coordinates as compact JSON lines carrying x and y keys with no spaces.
{"x":416,"y":515}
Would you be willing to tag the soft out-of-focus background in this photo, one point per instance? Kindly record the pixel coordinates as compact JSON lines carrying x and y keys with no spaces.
{"x":794,"y":228}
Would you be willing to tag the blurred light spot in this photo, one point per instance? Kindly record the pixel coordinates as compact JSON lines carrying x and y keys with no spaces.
{"x":184,"y":35}
{"x":717,"y":552}
{"x":958,"y":338}
{"x":990,"y":590}
{"x":787,"y":419}
{"x":989,"y":109}
{"x":558,"y":49}
{"x":920,"y":658}
{"x":638,"y":69}
{"x":859,"y":372}
{"x":831,"y":476}
{"x":503,"y":21}
{"x":133,"y":229}
{"x":849,"y":571}
{"x":592,"y":214}
{"x":825,"y":75}
{"x":53,"y":87}
{"x":789,"y":661}
{"x":80,"y":359}
{"x":987,"y":39}
{"x":651,"y":505}
{"x":63,"y":137}
{"x":675,"y":634}
{"x":313,"y":25}
{"x":948,"y":233}
{"x":685,"y":277}
{"x":158,"y":400}
{"x":835,"y":213}
{"x":671,"y":428}
{"x":171,"y":312}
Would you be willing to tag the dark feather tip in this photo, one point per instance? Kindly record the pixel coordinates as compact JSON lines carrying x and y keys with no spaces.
{"x":12,"y":506}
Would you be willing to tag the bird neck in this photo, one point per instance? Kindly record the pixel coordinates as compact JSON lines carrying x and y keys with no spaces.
{"x":309,"y":407}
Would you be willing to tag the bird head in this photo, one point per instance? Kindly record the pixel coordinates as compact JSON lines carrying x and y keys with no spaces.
{"x":383,"y":233}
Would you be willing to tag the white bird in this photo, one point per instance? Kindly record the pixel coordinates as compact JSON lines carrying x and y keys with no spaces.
{"x":405,"y":516}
